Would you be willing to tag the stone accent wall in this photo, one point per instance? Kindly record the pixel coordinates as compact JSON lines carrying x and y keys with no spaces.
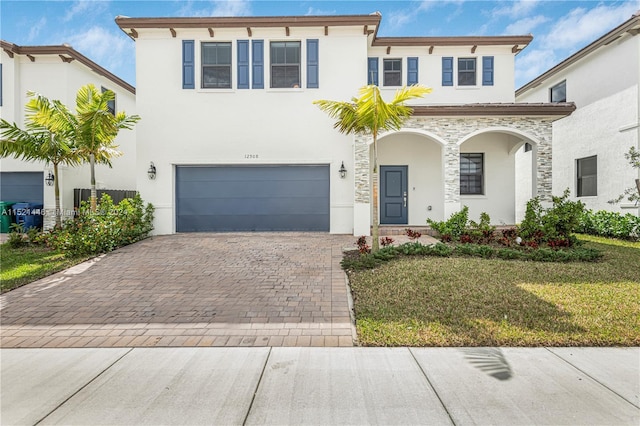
{"x":453,"y":130}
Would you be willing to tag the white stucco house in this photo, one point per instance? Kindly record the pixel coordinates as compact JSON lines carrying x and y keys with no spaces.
{"x":229,"y":124}
{"x":602,"y":79}
{"x":57,"y":72}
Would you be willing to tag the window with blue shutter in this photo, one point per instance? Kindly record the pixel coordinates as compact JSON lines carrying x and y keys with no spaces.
{"x":412,"y":71}
{"x":372,"y":71}
{"x":312,"y":64}
{"x":188,"y":64}
{"x":257,"y":62}
{"x":487,"y":70}
{"x":447,"y":71}
{"x":243,"y":64}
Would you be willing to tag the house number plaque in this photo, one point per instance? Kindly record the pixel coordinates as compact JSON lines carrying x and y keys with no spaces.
{"x":251,"y":156}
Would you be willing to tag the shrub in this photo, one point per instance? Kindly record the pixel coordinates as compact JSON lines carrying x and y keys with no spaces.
{"x":386,"y":241}
{"x":110,"y":227}
{"x":413,"y":235}
{"x":363,"y":247}
{"x":610,"y":224}
{"x":482,"y":232}
{"x":452,"y":228}
{"x":16,"y":236}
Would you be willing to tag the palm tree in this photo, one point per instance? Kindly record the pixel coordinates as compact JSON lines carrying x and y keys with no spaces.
{"x":370,"y":114}
{"x":95,"y":128}
{"x":41,"y":140}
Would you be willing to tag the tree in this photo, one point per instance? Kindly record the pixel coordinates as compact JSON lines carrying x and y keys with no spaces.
{"x":41,"y":140}
{"x":370,"y":114}
{"x":632,"y":194}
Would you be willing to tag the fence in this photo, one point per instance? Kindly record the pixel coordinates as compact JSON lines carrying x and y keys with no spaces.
{"x":117,"y":195}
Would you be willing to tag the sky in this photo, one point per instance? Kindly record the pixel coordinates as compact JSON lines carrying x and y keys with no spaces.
{"x":560,"y":28}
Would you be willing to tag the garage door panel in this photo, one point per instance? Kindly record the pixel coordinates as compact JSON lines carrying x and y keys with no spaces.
{"x":252,"y":198}
{"x":21,"y":187}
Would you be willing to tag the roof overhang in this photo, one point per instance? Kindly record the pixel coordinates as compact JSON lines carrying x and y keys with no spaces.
{"x":66,"y":54}
{"x":631,"y":27}
{"x":554,"y":110}
{"x":517,"y":43}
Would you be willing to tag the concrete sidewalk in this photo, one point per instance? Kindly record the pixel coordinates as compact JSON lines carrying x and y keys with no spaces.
{"x":234,"y":386}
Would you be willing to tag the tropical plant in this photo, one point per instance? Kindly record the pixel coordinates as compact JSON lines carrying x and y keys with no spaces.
{"x":632,"y":194}
{"x":41,"y":140}
{"x":370,"y":114}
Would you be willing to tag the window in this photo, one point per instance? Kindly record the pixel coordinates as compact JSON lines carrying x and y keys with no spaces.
{"x":527,"y":147}
{"x":392,"y":72}
{"x":471,"y":174}
{"x":587,"y":176}
{"x":285,"y":64}
{"x":466,"y":71}
{"x":216,"y":65}
{"x":111,"y":105}
{"x":558,"y":93}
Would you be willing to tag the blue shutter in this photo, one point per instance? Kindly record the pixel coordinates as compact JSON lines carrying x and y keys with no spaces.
{"x":243,"y":64}
{"x":312,"y":64}
{"x":188,"y":64}
{"x":372,"y":71}
{"x":412,"y":71}
{"x":487,"y":70}
{"x":257,"y":58}
{"x":447,"y":71}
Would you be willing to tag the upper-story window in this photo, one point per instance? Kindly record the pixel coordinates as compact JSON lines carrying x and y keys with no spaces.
{"x":466,"y":71}
{"x":392,"y":72}
{"x":111,"y":105}
{"x":558,"y":93}
{"x":285,"y":64}
{"x":216,"y":65}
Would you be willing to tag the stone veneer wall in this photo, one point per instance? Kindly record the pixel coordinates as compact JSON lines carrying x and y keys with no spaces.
{"x":453,"y":130}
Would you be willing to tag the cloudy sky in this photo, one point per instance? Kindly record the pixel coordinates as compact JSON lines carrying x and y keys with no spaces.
{"x":560,"y":28}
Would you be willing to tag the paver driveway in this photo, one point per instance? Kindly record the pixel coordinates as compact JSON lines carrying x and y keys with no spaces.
{"x":242,"y":289}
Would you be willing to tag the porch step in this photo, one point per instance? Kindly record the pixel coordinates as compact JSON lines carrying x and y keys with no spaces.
{"x":390,"y":230}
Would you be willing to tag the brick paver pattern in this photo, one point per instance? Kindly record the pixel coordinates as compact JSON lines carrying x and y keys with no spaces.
{"x":240,"y":289}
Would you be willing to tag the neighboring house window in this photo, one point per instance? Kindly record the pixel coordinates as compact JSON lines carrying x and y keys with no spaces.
{"x":587,"y":176}
{"x":285,"y":64}
{"x":558,"y":93}
{"x":111,"y":105}
{"x":392,"y":72}
{"x":471,"y":174}
{"x":216,"y":65}
{"x":466,"y":71}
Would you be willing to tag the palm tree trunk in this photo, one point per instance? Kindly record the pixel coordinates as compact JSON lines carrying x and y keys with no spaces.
{"x":375,"y":243}
{"x":94,"y":194}
{"x":56,"y":191}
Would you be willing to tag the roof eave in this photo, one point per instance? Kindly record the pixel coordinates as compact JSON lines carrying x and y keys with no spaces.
{"x":556,"y":110}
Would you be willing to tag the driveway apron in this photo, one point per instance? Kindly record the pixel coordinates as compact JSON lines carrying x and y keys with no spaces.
{"x":240,"y":289}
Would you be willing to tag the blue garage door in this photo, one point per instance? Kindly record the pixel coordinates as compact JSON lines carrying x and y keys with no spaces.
{"x":252,"y":198}
{"x":21,"y":187}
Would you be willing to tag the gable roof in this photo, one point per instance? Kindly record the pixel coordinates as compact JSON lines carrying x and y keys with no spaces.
{"x":631,"y":26}
{"x":67,"y":54}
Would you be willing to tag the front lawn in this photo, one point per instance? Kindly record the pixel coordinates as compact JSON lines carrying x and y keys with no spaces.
{"x":19,"y":266}
{"x":462,"y":301}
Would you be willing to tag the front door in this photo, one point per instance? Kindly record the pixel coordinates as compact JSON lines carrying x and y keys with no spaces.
{"x":393,"y":195}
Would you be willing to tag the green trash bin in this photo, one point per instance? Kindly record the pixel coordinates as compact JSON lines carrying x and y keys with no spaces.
{"x":6,"y":216}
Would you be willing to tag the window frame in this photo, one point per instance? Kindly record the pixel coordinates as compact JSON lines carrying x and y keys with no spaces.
{"x":111,"y":105}
{"x":554,"y":88}
{"x":393,"y":71}
{"x":297,"y":85}
{"x":218,"y":66}
{"x":481,"y":173}
{"x":580,"y":177}
{"x":474,"y":71}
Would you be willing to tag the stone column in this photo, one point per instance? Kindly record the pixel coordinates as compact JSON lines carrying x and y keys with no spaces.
{"x":362,"y":190}
{"x":451,"y":161}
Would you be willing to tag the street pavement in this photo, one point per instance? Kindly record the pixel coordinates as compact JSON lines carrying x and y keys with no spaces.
{"x":322,"y":386}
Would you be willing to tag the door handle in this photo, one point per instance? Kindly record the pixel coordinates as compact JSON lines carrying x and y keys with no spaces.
{"x":405,"y":198}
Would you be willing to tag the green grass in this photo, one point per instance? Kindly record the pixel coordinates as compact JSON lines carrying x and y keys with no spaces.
{"x":432,"y":301}
{"x":26,"y":264}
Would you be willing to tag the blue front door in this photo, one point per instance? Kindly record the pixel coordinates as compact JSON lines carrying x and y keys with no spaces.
{"x":393,"y":195}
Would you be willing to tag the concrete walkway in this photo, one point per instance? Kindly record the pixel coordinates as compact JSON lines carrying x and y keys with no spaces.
{"x":237,"y":289}
{"x":280,"y":386}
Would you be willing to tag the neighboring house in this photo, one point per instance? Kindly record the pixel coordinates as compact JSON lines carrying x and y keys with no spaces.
{"x":57,"y":72}
{"x":602,"y":80}
{"x":229,"y":124}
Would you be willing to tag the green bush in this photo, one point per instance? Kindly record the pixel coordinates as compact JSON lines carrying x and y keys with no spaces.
{"x":610,"y":224}
{"x":452,"y":228}
{"x":110,"y":227}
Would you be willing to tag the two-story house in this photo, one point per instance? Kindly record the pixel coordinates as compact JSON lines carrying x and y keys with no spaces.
{"x":57,"y":72}
{"x":229,"y":124}
{"x":602,"y":79}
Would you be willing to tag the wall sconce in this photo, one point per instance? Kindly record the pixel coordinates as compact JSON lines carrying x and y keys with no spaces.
{"x":342,"y":171}
{"x":50,"y":178}
{"x":152,"y":171}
